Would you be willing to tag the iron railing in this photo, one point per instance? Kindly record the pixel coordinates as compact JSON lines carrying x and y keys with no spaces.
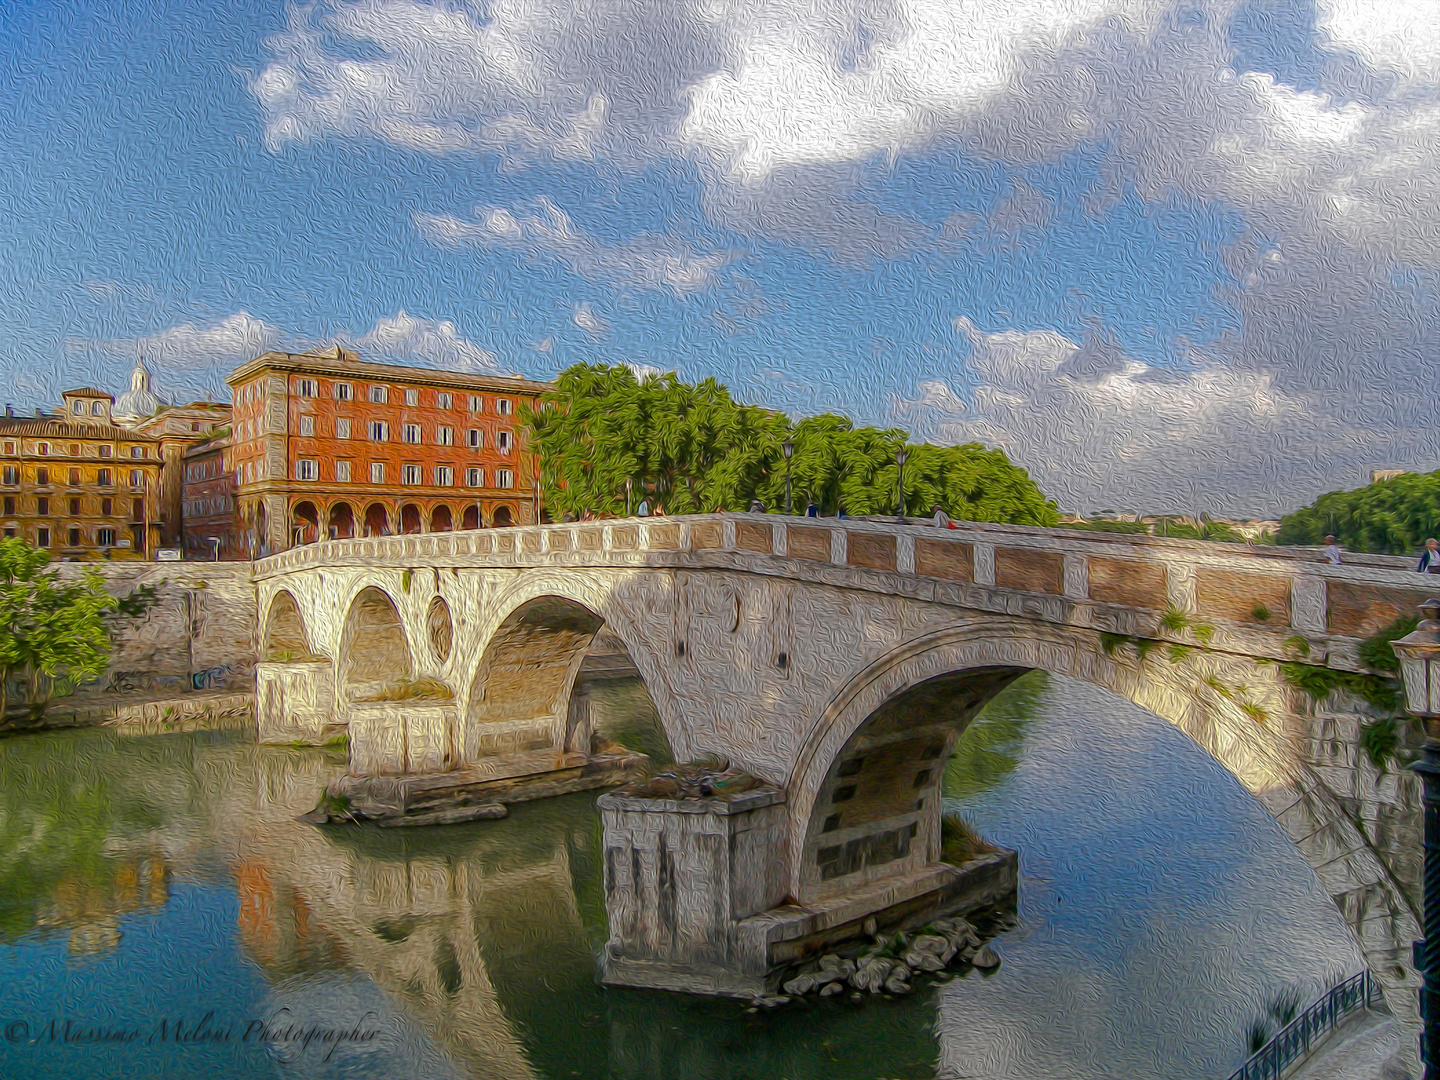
{"x":1306,"y":1030}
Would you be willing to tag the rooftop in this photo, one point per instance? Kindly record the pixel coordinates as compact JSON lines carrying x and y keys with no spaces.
{"x":343,"y":363}
{"x":64,"y":429}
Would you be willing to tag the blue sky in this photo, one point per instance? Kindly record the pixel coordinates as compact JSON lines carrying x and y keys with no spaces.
{"x":1168,"y":256}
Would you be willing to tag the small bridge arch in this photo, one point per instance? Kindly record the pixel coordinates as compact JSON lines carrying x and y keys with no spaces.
{"x":374,"y":646}
{"x":284,"y":634}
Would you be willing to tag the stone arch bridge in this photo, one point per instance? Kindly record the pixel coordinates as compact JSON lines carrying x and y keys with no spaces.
{"x":836,"y":661}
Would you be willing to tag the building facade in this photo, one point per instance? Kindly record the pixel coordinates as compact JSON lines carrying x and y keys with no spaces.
{"x":324,"y":445}
{"x":177,"y":428}
{"x":207,"y":502}
{"x":76,"y":484}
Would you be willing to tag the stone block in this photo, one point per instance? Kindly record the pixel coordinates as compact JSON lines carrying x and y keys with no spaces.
{"x":1240,"y":597}
{"x":1131,"y":582}
{"x":753,"y":536}
{"x":1361,"y":610}
{"x":875,"y":551}
{"x":808,"y":542}
{"x":707,"y":536}
{"x":1030,"y":571}
{"x":944,"y":559}
{"x":295,"y":702}
{"x":393,"y":738}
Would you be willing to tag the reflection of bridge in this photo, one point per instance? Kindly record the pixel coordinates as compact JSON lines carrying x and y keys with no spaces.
{"x":836,"y":660}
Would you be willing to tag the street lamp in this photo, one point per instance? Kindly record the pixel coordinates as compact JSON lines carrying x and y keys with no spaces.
{"x":789,"y":449}
{"x":900,"y":456}
{"x":1419,"y":655}
{"x":629,"y":484}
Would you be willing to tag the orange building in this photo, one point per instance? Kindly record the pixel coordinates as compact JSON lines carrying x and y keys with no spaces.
{"x":324,"y":445}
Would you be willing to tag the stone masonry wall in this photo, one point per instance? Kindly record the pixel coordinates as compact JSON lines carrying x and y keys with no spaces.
{"x":199,"y":636}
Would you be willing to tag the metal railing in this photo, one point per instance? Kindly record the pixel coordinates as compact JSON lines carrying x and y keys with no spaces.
{"x":1297,"y":1037}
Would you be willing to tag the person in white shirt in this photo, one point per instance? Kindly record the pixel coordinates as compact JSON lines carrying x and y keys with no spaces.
{"x":1430,"y":557}
{"x":942,"y":519}
{"x":1332,"y":551}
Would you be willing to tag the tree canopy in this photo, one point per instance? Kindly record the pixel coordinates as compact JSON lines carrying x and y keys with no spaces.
{"x":1392,"y":517}
{"x":694,"y":449}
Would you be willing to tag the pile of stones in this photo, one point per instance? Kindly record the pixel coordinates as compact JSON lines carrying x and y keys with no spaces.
{"x":890,"y":963}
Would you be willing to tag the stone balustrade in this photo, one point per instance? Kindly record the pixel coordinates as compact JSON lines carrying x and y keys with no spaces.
{"x":1258,"y":598}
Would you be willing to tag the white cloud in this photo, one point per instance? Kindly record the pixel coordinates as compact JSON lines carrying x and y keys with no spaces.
{"x":405,"y":339}
{"x":1099,"y":429}
{"x":586,"y":318}
{"x":1402,"y":36}
{"x":543,"y":229}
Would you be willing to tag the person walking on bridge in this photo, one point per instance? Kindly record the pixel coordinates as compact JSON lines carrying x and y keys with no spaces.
{"x":1331,"y":553}
{"x":1430,"y":557}
{"x":942,"y":519}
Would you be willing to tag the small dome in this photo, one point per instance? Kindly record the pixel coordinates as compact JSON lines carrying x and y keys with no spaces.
{"x":138,"y":403}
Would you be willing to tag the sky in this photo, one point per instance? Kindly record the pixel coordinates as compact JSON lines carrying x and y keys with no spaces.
{"x":1169,"y":256}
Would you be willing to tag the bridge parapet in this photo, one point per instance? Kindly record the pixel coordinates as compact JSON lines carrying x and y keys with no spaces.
{"x":1259,"y":598}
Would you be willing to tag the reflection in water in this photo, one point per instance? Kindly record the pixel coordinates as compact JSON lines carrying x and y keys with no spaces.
{"x":1152,"y":887}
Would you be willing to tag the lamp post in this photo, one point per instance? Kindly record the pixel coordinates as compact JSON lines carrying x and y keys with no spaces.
{"x":789,"y":449}
{"x":1419,"y":655}
{"x":900,"y":456}
{"x":629,"y":485}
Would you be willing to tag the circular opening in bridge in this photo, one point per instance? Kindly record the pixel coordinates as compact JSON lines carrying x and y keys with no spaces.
{"x":438,"y":626}
{"x":285,"y":637}
{"x":374,"y":649}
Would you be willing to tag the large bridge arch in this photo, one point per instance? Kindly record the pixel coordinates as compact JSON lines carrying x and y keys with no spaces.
{"x":983,"y":655}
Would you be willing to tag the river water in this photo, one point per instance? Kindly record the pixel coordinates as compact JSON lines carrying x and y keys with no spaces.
{"x":163,"y":916}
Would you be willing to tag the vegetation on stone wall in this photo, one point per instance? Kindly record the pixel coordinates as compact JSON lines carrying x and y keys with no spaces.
{"x":1392,"y":517}
{"x":694,"y":449}
{"x":54,"y":634}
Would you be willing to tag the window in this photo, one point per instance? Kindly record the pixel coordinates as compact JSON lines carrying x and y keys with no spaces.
{"x":504,"y":478}
{"x":42,"y":506}
{"x":380,"y":395}
{"x":342,"y":471}
{"x":444,"y":400}
{"x":307,"y":388}
{"x":105,"y":537}
{"x":475,"y":438}
{"x":43,"y":449}
{"x":307,"y":426}
{"x":477,"y":403}
{"x":105,"y":451}
{"x":307,"y":469}
{"x":97,"y":409}
{"x":137,"y":451}
{"x":379,"y":431}
{"x":74,"y":537}
{"x":503,"y":441}
{"x":102,"y":477}
{"x":195,"y":426}
{"x":137,"y":510}
{"x":11,"y":475}
{"x":137,"y":478}
{"x":74,"y":449}
{"x":504,"y":406}
{"x":107,"y":507}
{"x":474,"y":477}
{"x":411,"y":433}
{"x":9,"y":447}
{"x":444,"y":476}
{"x":344,"y":391}
{"x":77,"y":407}
{"x":411,"y":475}
{"x":42,"y":537}
{"x":10,"y":533}
{"x":342,"y":427}
{"x":74,"y":477}
{"x":445,"y":436}
{"x":412,"y":397}
{"x":74,"y":507}
{"x":9,"y":505}
{"x":42,"y":476}
{"x":377,"y":472}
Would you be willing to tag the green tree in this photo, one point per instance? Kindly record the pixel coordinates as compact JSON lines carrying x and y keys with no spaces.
{"x":52,"y":632}
{"x":694,"y":449}
{"x":1392,"y":517}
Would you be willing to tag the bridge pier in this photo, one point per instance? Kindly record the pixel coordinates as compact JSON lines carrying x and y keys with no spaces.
{"x":695,"y":894}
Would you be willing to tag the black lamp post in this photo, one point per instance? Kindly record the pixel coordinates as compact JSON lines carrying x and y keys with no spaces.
{"x":900,"y":456}
{"x":789,"y":448}
{"x":1419,"y":655}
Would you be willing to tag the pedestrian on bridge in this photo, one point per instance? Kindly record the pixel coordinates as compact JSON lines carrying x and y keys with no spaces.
{"x":1332,"y":551}
{"x":942,"y":519}
{"x":1430,"y":557}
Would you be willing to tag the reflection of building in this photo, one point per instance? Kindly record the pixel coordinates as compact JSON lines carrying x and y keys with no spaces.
{"x":90,"y":908}
{"x":325,"y":445}
{"x":76,"y":484}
